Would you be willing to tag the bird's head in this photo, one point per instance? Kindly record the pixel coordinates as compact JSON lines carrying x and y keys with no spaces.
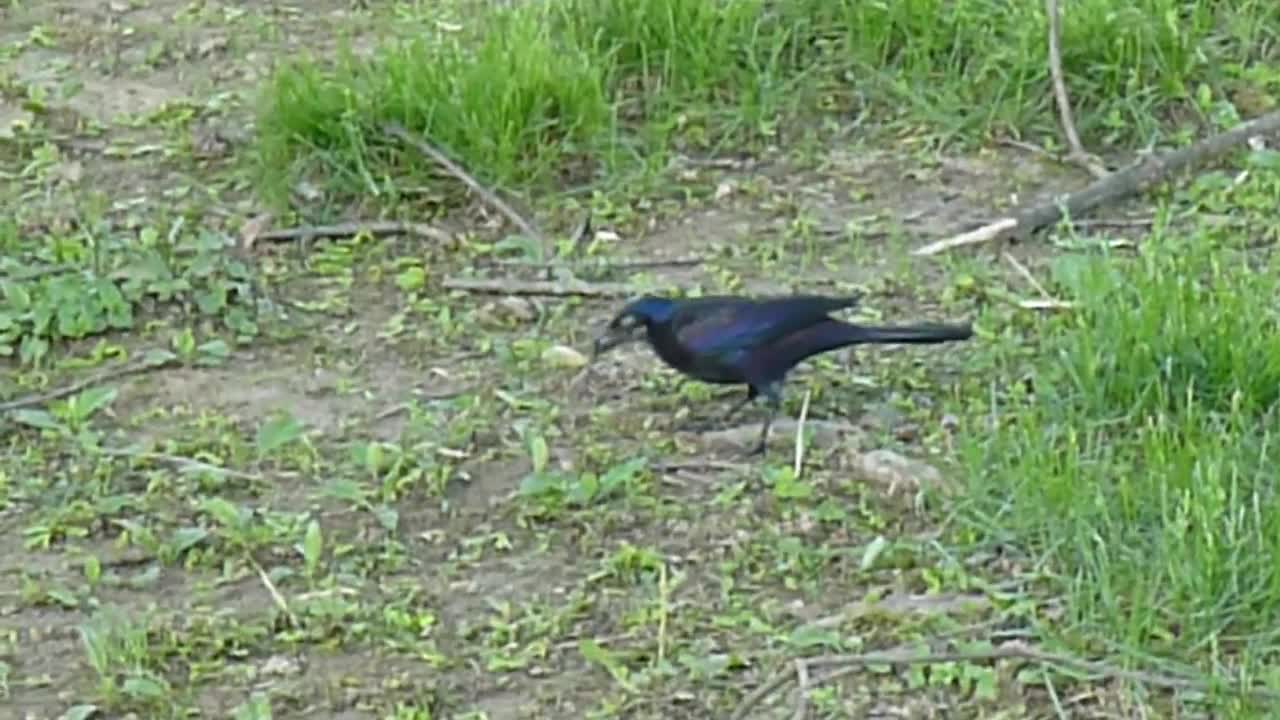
{"x":632,"y":322}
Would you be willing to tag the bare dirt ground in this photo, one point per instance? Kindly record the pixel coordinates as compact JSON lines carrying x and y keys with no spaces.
{"x":445,"y":584}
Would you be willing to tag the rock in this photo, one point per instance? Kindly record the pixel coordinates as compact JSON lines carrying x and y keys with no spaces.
{"x":563,"y":356}
{"x":897,"y":473}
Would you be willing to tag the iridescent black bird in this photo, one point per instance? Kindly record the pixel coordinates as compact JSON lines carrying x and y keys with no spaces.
{"x":737,"y":340}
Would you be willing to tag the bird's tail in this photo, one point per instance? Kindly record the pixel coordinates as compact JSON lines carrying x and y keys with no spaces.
{"x":921,"y":334}
{"x":833,"y":334}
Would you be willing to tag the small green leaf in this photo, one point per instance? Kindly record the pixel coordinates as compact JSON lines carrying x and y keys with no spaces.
{"x":278,"y":432}
{"x":37,"y":419}
{"x":144,"y":687}
{"x":810,"y":636}
{"x":222,"y":511}
{"x":215,"y":348}
{"x":539,"y":453}
{"x":411,"y":279}
{"x":312,"y":547}
{"x":79,"y":712}
{"x":542,"y":484}
{"x":89,"y":402}
{"x":622,"y":474}
{"x":388,"y":517}
{"x":188,"y":537}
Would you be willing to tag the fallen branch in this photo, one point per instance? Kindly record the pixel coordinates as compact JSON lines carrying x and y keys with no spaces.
{"x":379,"y":228}
{"x":75,"y":387}
{"x":454,"y":169}
{"x":547,"y":288}
{"x":1077,"y":153}
{"x":843,"y":665}
{"x":1116,"y":186}
{"x":622,"y":264}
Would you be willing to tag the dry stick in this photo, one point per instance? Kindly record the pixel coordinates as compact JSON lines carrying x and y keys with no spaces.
{"x":622,"y":264}
{"x":1116,"y":186}
{"x":548,"y":288}
{"x":378,"y":228}
{"x":454,"y":169}
{"x":848,"y":664}
{"x":75,"y":387}
{"x":802,"y":690}
{"x":1078,"y":155}
{"x":1047,"y":301}
{"x":272,"y":590}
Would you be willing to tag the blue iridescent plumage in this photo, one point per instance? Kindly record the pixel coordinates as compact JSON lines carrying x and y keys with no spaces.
{"x":727,"y":339}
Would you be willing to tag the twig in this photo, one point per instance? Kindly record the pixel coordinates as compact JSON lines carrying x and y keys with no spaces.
{"x":1116,"y":186}
{"x":454,"y":169}
{"x":1077,"y":153}
{"x":1026,"y":275}
{"x":377,"y":228}
{"x":549,"y":288}
{"x":423,"y":397}
{"x":802,"y":690}
{"x":181,"y":462}
{"x":799,"y":461}
{"x":624,"y":264}
{"x":75,"y":387}
{"x":1047,"y":301}
{"x":707,"y":464}
{"x":844,"y":665}
{"x":273,"y":591}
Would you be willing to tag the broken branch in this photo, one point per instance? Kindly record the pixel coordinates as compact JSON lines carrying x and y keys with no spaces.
{"x":1114,"y":187}
{"x":75,"y":387}
{"x":1077,"y":153}
{"x":547,"y":288}
{"x":621,"y":264}
{"x":456,"y":170}
{"x":351,"y":229}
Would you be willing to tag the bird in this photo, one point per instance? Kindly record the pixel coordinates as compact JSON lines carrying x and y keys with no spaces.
{"x":728,"y":339}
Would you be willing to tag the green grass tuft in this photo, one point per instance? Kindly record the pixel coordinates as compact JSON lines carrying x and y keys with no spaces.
{"x":1143,"y":470}
{"x":593,"y":87}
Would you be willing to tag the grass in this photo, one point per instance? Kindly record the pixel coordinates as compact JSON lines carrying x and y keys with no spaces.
{"x":339,"y":488}
{"x":1139,"y":476}
{"x":554,"y":86}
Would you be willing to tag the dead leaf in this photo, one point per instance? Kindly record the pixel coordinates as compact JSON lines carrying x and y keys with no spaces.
{"x":563,"y":356}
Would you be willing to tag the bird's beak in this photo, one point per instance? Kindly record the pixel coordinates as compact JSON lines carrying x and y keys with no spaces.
{"x":611,"y":339}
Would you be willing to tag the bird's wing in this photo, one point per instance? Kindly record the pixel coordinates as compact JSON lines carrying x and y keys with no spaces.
{"x":717,"y":325}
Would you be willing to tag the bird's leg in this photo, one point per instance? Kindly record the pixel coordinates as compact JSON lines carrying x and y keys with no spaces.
{"x":751,"y":395}
{"x":773,"y":397}
{"x":707,"y":425}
